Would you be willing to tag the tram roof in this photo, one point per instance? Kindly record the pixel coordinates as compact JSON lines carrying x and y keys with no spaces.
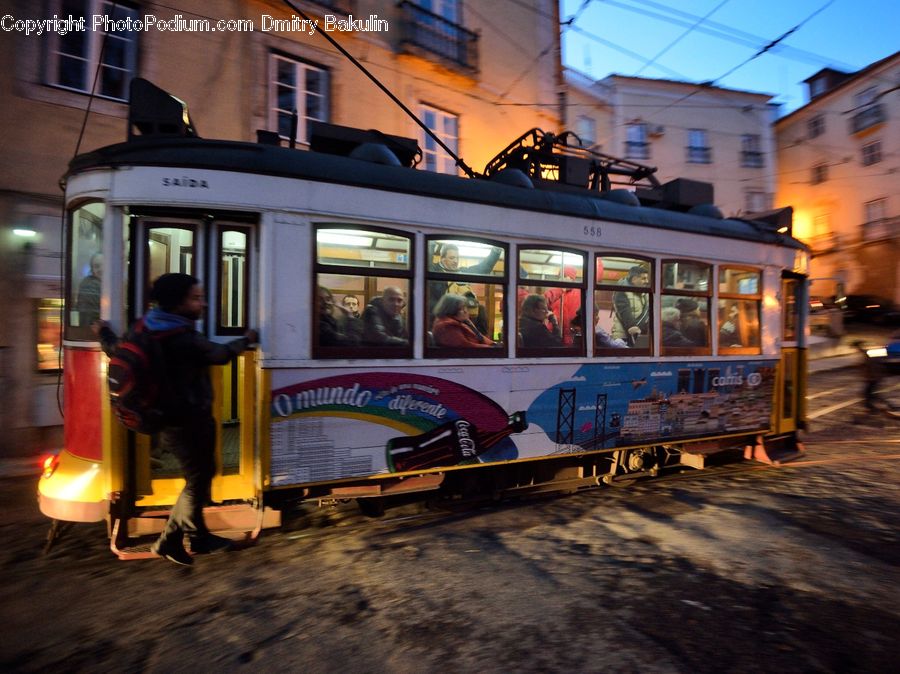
{"x":269,"y":160}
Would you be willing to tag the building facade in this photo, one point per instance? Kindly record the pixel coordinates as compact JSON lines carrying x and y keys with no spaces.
{"x":839,"y":167}
{"x":478,"y":73}
{"x":720,"y":136}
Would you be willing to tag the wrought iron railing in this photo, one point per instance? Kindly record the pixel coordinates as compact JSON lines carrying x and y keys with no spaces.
{"x":883,"y":228}
{"x":422,"y":30}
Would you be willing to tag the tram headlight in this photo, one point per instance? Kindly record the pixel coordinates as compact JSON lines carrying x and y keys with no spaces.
{"x":49,"y":465}
{"x":877,"y":352}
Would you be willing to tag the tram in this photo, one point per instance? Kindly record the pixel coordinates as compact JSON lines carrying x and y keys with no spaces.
{"x":674,"y":333}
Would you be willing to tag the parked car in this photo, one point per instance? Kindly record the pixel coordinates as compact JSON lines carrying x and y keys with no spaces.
{"x":871,"y":309}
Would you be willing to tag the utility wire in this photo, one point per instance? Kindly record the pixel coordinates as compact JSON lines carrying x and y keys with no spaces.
{"x":679,"y":38}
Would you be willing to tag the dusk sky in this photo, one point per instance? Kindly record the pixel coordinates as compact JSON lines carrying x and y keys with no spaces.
{"x":622,"y":36}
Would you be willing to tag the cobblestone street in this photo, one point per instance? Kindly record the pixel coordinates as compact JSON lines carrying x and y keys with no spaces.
{"x":738,"y":568}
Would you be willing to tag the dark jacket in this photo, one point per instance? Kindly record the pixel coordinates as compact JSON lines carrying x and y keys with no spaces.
{"x":381,"y":328}
{"x":671,"y":336}
{"x":339,"y":333}
{"x":535,"y":334}
{"x":187,"y":356}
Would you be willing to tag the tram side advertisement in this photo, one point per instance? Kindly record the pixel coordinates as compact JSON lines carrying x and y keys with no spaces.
{"x":353,"y":425}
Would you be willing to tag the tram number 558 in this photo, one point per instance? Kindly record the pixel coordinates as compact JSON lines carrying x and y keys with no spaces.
{"x":593,"y":231}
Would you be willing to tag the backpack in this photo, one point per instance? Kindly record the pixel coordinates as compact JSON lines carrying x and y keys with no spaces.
{"x":135,"y":377}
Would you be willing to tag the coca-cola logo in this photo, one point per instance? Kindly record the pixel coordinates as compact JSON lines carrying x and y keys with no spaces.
{"x":464,"y":438}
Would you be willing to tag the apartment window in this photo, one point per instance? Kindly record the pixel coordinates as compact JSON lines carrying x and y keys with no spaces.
{"x":819,"y":174}
{"x":815,"y":126}
{"x":757,"y":201}
{"x":817,"y":87}
{"x":821,"y":226}
{"x":865,"y":97}
{"x":636,"y":145}
{"x":698,"y":150}
{"x":876,"y":225}
{"x":871,"y":153}
{"x":446,"y":127}
{"x":74,"y":57}
{"x":751,"y":151}
{"x":297,"y":85}
{"x":586,"y":130}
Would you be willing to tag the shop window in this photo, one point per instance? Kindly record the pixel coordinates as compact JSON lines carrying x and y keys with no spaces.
{"x":49,"y":334}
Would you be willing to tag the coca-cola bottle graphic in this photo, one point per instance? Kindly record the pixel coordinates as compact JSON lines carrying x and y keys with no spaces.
{"x":450,"y":444}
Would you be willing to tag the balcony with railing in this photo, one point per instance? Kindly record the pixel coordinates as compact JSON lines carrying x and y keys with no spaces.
{"x":867,"y":118}
{"x":430,"y":35}
{"x":881,"y":229}
{"x":752,"y":159}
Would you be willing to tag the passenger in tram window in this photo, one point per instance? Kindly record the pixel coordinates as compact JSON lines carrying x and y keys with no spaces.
{"x":88,"y":300}
{"x":449,"y":262}
{"x":336,"y":326}
{"x":452,"y":327}
{"x":632,"y":309}
{"x":383,"y":322}
{"x":537,"y":325}
{"x":351,"y":304}
{"x":671,"y":328}
{"x":692,"y":325}
{"x":564,"y":303}
{"x":477,"y":314}
{"x":729,"y":330}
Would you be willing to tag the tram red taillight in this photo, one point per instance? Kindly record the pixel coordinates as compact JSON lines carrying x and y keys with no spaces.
{"x":49,"y":465}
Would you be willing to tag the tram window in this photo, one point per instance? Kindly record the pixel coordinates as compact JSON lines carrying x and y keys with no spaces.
{"x":362,"y":248}
{"x":681,"y":275}
{"x":467,"y":323}
{"x":85,"y":266}
{"x":740,"y":299}
{"x":623,"y":305}
{"x":170,"y":249}
{"x":233,"y":281}
{"x":685,"y":306}
{"x":361,"y":306}
{"x":790,"y":290}
{"x":550,"y":304}
{"x":466,"y":283}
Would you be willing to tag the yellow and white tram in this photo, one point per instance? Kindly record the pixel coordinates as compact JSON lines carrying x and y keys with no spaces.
{"x":281,"y":237}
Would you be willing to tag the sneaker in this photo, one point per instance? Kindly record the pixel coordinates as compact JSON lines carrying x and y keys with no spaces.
{"x":209,"y":543}
{"x":174,"y":553}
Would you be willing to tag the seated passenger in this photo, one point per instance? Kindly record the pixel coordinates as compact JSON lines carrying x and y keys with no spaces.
{"x":533,"y":326}
{"x":383,"y":325}
{"x":351,"y":304}
{"x":477,"y":314}
{"x":452,"y":327}
{"x":729,"y":332}
{"x":671,"y":328}
{"x":336,"y":326}
{"x":693,"y":327}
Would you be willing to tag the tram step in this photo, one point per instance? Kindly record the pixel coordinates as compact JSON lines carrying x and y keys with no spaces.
{"x":220,"y":519}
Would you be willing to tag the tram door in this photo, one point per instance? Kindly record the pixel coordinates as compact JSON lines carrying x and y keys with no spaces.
{"x":218,"y":252}
{"x":791,"y":390}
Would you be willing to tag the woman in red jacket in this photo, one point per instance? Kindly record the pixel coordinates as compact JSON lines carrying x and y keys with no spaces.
{"x":452,"y":327}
